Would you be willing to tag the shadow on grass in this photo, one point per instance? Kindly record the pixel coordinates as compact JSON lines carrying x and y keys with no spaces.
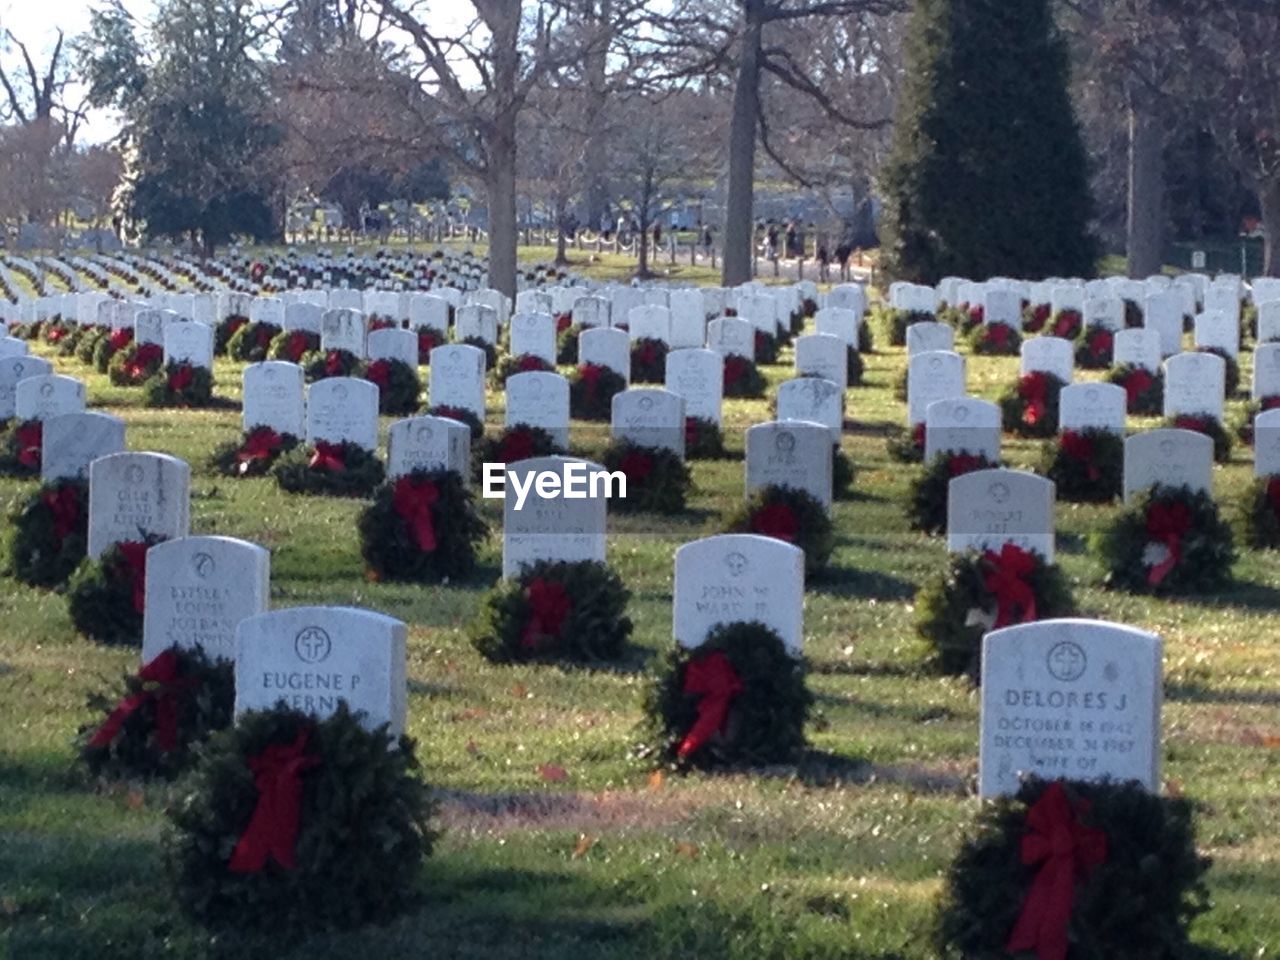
{"x":1199,"y":693}
{"x":868,"y":668}
{"x":867,"y":584}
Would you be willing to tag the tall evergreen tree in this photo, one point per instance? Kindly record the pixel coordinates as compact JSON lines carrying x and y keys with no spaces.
{"x":988,"y":174}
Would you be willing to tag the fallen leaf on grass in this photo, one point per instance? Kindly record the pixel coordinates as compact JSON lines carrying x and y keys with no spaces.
{"x":583,"y":846}
{"x":657,"y":780}
{"x":135,"y":800}
{"x":553,"y":773}
{"x":687,"y":850}
{"x":519,"y":691}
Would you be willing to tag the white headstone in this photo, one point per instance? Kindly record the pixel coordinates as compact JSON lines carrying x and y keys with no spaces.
{"x":1092,"y":406}
{"x":1266,"y":444}
{"x":731,"y":336}
{"x":1070,"y":699}
{"x":476,"y":321}
{"x":48,"y":396}
{"x":962,"y":425}
{"x":1163,"y":313}
{"x":842,"y":323}
{"x":1268,"y":322}
{"x":739,"y":578}
{"x":314,"y":658}
{"x":1194,"y":383}
{"x":189,"y":343}
{"x":343,"y":410}
{"x":1266,"y":371}
{"x":605,"y":347}
{"x":591,"y":312}
{"x":1220,"y":331}
{"x":688,"y":319}
{"x":1172,"y":458}
{"x":457,"y":378}
{"x":198,"y":589}
{"x":933,"y":375}
{"x":12,"y":347}
{"x":428,"y":312}
{"x":988,"y":508}
{"x":552,"y":527}
{"x":343,"y":329}
{"x":815,"y":400}
{"x":540,"y":399}
{"x":136,"y":495}
{"x":428,"y":443}
{"x":930,"y":335}
{"x":1049,"y":355}
{"x":825,"y":356}
{"x":1002,"y":306}
{"x":649,"y":417}
{"x":13,"y":370}
{"x":303,"y":316}
{"x":1139,"y":347}
{"x":650,"y":323}
{"x":394,"y":343}
{"x":1107,"y":313}
{"x":72,"y":441}
{"x":534,"y":334}
{"x":274,"y":396}
{"x":697,"y":375}
{"x":791,"y":454}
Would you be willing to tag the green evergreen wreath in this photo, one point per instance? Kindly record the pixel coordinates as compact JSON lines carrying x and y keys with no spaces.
{"x":397,"y":383}
{"x":765,"y":720}
{"x":474,"y":423}
{"x":105,"y":597}
{"x":524,"y":363}
{"x":1144,"y":390}
{"x":135,"y":364}
{"x":23,"y":444}
{"x":1134,"y":315}
{"x":648,"y":361}
{"x":395,"y":543}
{"x":906,"y":446}
{"x":1030,"y":407}
{"x":591,"y":390}
{"x":1232,"y":376}
{"x":47,"y":533}
{"x":703,"y":439}
{"x":854,"y":367}
{"x":995,"y":340}
{"x":1138,"y":554}
{"x":843,"y":474}
{"x":892,"y":323}
{"x":292,"y":345}
{"x":201,"y":696}
{"x":1260,"y":514}
{"x":1035,"y":316}
{"x":555,"y":611}
{"x":365,"y":816}
{"x":87,"y":345}
{"x":490,"y":350}
{"x":225,"y":330}
{"x":109,"y":345}
{"x":1066,"y":324}
{"x":254,"y":454}
{"x":766,"y":347}
{"x":329,"y":469}
{"x":1095,"y":350}
{"x":927,"y":494}
{"x":567,"y":343}
{"x":742,"y":378}
{"x":1138,"y":904}
{"x":180,"y":385}
{"x":1210,"y":426}
{"x":252,"y":342}
{"x":658,"y":481}
{"x":956,"y":609}
{"x":517,"y":443}
{"x":790,"y":515}
{"x":1087,"y":466}
{"x":322,"y":364}
{"x":58,"y":333}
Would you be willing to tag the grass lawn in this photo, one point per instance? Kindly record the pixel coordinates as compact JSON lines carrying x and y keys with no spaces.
{"x":844,"y":860}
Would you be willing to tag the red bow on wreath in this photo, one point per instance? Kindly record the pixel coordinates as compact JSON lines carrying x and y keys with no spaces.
{"x":962,"y":463}
{"x":976,"y":314}
{"x":120,"y":339}
{"x":412,"y":500}
{"x":648,"y":354}
{"x":261,"y":444}
{"x":1188,"y":422}
{"x":710,"y":677}
{"x":637,"y":465}
{"x":1101,"y":343}
{"x":1040,"y":316}
{"x":273,"y":829}
{"x":29,"y":439}
{"x":1068,"y":851}
{"x":134,"y":555}
{"x":1137,"y":383}
{"x":997,"y":334}
{"x":328,"y":456}
{"x":776,"y":520}
{"x":530,"y":363}
{"x":161,"y":686}
{"x":563,"y":322}
{"x":1079,"y":447}
{"x":549,"y":605}
{"x":64,"y":504}
{"x":590,"y":374}
{"x":1005,"y":580}
{"x":264,"y":334}
{"x":426,"y":343}
{"x":1032,"y":389}
{"x":1167,"y":523}
{"x":735,"y":368}
{"x":333,"y":364}
{"x":917,"y":435}
{"x":1066,"y":324}
{"x":379,"y":372}
{"x":295,"y":346}
{"x":517,"y":445}
{"x":181,"y":378}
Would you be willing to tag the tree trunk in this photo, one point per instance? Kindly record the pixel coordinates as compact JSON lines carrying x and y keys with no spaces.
{"x":1269,"y":198}
{"x":500,"y":175}
{"x":594,"y":158}
{"x":740,"y":204}
{"x":1145,"y":239}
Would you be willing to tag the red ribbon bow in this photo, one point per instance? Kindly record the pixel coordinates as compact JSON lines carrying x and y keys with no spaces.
{"x":1032,"y":388}
{"x":590,"y":374}
{"x":134,"y":555}
{"x":328,"y":456}
{"x":333,"y":364}
{"x":530,"y":363}
{"x":181,"y":378}
{"x":1188,"y":422}
{"x":380,"y":373}
{"x":29,"y":439}
{"x":412,"y":500}
{"x":549,"y":605}
{"x":962,"y":463}
{"x":735,"y":368}
{"x":1101,"y":343}
{"x":517,"y":445}
{"x":649,"y":352}
{"x":296,"y":346}
{"x":273,"y":829}
{"x":264,"y":334}
{"x":563,"y":322}
{"x":712,"y":678}
{"x":997,"y":334}
{"x":65,"y":507}
{"x":261,"y":444}
{"x":120,"y":339}
{"x":161,"y":686}
{"x":917,"y":435}
{"x":1068,"y":851}
{"x":976,"y":314}
{"x":1040,"y":316}
{"x":776,"y":520}
{"x":1167,"y":523}
{"x":1079,"y":447}
{"x":1067,"y":324}
{"x":426,"y":343}
{"x":637,"y":465}
{"x":1005,"y":580}
{"x":1138,"y":382}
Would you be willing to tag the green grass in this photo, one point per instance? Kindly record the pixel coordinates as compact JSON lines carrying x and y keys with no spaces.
{"x":609,"y":863}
